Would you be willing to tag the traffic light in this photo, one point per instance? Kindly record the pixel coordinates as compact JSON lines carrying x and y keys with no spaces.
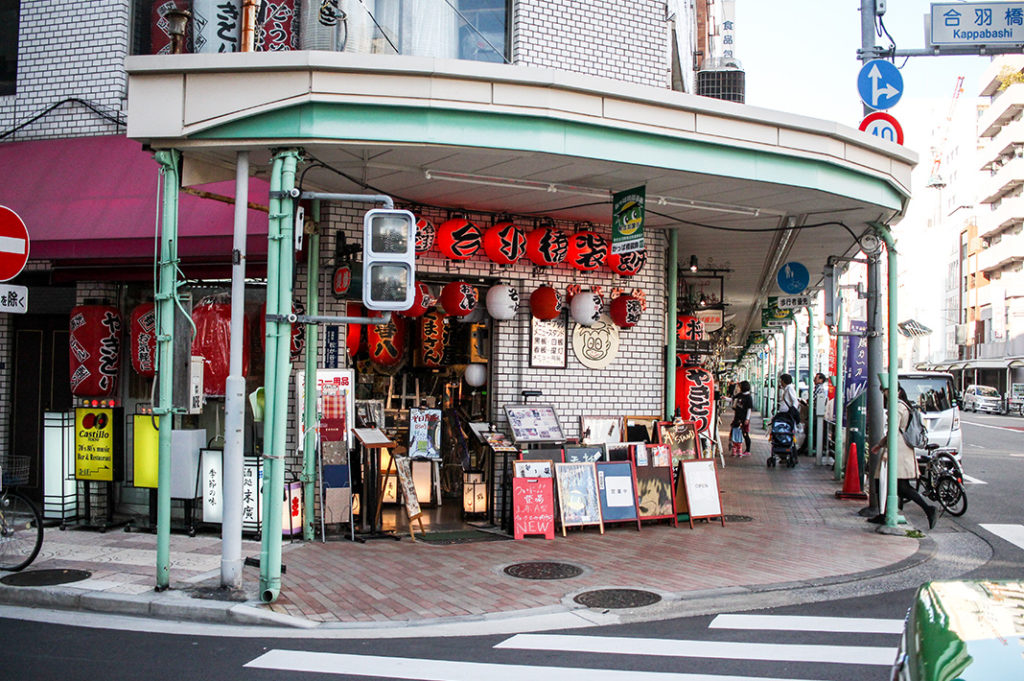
{"x":389,"y":259}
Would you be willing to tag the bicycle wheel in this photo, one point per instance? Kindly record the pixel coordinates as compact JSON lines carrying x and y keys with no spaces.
{"x":951,"y":495}
{"x":945,"y":464}
{"x":21,"y":531}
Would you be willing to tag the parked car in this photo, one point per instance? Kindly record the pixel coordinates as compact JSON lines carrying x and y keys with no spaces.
{"x":968,"y":630}
{"x":933,"y":393}
{"x":983,"y":398}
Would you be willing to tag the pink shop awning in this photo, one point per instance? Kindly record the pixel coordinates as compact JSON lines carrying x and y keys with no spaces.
{"x":96,"y":198}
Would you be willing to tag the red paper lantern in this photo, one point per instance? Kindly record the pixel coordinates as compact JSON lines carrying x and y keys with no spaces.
{"x":587,"y":251}
{"x":546,"y":247}
{"x":277,"y":32}
{"x":386,"y":342}
{"x":688,"y":328}
{"x":626,"y":311}
{"x":505,"y":243}
{"x":433,"y":338}
{"x":695,"y":391}
{"x":422,"y":300}
{"x":213,"y":344}
{"x":545,"y":303}
{"x":627,"y":264}
{"x":142,"y":332}
{"x":95,"y":343}
{"x":458,"y":299}
{"x":425,"y":233}
{"x":354,"y":332}
{"x":298,"y":332}
{"x":458,"y":238}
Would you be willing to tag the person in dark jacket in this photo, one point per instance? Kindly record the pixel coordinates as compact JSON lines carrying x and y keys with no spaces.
{"x":742,"y":405}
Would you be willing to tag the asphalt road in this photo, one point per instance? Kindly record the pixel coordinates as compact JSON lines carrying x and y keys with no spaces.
{"x":841,"y":639}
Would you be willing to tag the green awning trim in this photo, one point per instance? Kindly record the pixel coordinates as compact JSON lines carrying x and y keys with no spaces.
{"x":517,"y":132}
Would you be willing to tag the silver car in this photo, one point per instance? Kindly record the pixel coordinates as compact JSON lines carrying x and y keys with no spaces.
{"x":932,"y":392}
{"x":983,"y":398}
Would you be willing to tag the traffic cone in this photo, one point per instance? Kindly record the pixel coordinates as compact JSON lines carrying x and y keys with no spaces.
{"x":851,"y":484}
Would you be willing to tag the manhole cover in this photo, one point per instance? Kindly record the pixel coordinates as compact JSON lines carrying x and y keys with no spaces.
{"x":543,"y":570}
{"x":738,"y":519}
{"x":45,"y":577}
{"x":617,"y":598}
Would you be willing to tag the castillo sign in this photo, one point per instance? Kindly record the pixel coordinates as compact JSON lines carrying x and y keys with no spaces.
{"x":14,"y":244}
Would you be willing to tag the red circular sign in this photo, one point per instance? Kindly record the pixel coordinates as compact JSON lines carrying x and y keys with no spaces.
{"x":884,"y":126}
{"x":13,"y":244}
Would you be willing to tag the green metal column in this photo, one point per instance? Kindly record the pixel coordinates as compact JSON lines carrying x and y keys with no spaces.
{"x":672,"y":318}
{"x":280,"y":266}
{"x":165,"y":297}
{"x":312,"y":353}
{"x":839,"y":404}
{"x":811,"y":425}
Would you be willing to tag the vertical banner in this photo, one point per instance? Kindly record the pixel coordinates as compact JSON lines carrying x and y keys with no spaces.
{"x":331,"y":332}
{"x":628,"y":220}
{"x":216,"y":25}
{"x":856,"y":361}
{"x":998,"y":304}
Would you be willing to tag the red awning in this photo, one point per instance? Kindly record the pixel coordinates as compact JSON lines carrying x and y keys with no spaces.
{"x":96,"y":198}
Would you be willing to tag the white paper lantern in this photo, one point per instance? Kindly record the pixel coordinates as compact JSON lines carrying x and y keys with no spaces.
{"x":476,"y":375}
{"x":502,"y":301}
{"x":585,"y":308}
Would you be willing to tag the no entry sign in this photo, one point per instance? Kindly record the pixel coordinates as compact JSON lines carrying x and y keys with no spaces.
{"x":13,"y":244}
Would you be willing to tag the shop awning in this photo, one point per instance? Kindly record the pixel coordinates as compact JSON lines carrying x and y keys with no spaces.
{"x":95,"y":198}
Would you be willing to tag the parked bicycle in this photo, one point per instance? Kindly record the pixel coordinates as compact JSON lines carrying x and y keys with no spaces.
{"x":21,"y":524}
{"x":941,"y":479}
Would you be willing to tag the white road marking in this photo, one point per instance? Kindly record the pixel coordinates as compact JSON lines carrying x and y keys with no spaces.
{"x":730,"y":650}
{"x":10,"y":244}
{"x":986,"y":425}
{"x":977,"y":446}
{"x":974,"y":481}
{"x":805,"y":623}
{"x":1011,"y":533}
{"x":444,"y":670}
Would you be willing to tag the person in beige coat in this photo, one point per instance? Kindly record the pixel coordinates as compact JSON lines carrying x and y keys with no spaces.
{"x":906,"y":462}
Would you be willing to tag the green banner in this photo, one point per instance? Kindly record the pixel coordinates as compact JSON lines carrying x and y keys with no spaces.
{"x":628,"y":220}
{"x":774,"y":316}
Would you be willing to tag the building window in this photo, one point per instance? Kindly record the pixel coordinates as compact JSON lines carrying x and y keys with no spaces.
{"x":9,"y":12}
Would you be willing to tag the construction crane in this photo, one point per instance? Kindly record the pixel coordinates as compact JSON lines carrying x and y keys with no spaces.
{"x":935,"y":179}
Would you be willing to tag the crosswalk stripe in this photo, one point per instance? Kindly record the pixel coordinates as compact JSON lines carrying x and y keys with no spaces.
{"x":446,"y":670}
{"x":863,"y":625}
{"x":733,"y":650}
{"x":1011,"y":533}
{"x":974,"y":481}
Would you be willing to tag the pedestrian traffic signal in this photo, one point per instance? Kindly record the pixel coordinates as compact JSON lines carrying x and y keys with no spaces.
{"x":389,"y":259}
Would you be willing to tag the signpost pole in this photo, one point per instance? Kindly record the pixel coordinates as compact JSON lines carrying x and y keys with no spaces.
{"x":673,"y":319}
{"x":839,"y":403}
{"x":813,"y":449}
{"x":308,"y":476}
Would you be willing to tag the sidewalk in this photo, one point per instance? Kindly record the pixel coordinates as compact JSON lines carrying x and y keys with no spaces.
{"x":783,"y":526}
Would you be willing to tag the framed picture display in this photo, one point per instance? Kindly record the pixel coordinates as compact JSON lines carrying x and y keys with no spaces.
{"x":702,"y":290}
{"x":659,"y":455}
{"x":548,"y":342}
{"x":582,"y":454}
{"x":533,"y":469}
{"x":655,"y":495}
{"x":616,"y":484}
{"x":597,"y":430}
{"x":534,"y":423}
{"x":619,"y":451}
{"x":578,"y":499}
{"x":425,"y":433}
{"x":641,"y":428}
{"x":541,"y":454}
{"x":681,"y":439}
{"x":369,"y":414}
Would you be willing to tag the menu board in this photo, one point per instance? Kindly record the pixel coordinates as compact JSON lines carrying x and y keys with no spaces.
{"x":534,"y":423}
{"x":533,"y":507}
{"x":700,"y":490}
{"x":578,"y":499}
{"x":547,"y":342}
{"x":425,"y":433}
{"x":616,"y":484}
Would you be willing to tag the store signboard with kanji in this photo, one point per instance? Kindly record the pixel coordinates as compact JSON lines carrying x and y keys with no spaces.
{"x":13,"y":299}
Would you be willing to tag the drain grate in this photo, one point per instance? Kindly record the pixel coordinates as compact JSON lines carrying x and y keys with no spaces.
{"x":617,"y":598}
{"x":45,"y":577}
{"x":543,"y":570}
{"x":738,"y":519}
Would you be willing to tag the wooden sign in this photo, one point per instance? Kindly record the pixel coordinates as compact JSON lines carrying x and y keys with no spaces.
{"x":412,"y":502}
{"x":583,"y":454}
{"x":533,"y":507}
{"x":578,"y":499}
{"x":681,"y":439}
{"x":595,"y":430}
{"x":541,"y":454}
{"x":654,"y":493}
{"x":533,"y":469}
{"x":643,"y":428}
{"x":698,"y":495}
{"x":616,"y":484}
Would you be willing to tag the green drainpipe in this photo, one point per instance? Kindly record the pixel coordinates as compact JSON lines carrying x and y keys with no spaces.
{"x":673,"y":320}
{"x":892,"y":518}
{"x":280,"y":266}
{"x":312,"y":353}
{"x":165,"y":303}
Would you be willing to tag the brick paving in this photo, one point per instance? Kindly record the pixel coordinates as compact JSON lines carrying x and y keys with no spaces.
{"x":799,"y":531}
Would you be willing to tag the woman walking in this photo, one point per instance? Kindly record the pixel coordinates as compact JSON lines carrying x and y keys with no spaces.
{"x":742,"y":404}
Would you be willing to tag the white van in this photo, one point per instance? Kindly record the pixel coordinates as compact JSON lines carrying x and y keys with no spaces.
{"x":933,"y":393}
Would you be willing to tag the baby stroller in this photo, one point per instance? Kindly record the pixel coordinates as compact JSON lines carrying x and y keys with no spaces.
{"x":782,"y":437}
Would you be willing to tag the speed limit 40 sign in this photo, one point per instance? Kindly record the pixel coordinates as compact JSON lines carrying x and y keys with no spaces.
{"x":883,"y":125}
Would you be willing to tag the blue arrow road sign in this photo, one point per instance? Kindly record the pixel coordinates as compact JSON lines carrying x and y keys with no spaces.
{"x":880,"y":84}
{"x":793,"y":278}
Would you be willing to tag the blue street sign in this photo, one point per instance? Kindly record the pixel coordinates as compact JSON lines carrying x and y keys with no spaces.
{"x":880,"y":84}
{"x":793,"y":278}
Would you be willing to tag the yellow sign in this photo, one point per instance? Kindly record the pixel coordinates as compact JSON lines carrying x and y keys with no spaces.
{"x":94,"y":444}
{"x":146,"y":443}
